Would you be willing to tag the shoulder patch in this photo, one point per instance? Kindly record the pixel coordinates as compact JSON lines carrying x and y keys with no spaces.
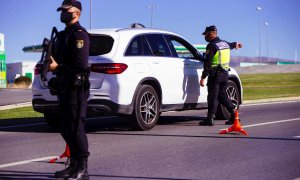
{"x":79,"y":44}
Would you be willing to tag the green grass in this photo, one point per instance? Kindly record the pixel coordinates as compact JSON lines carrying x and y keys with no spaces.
{"x":23,"y":112}
{"x":264,"y":86}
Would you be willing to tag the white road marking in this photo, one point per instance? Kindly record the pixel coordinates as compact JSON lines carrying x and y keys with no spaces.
{"x":272,"y":122}
{"x":296,"y":136}
{"x":266,"y":103}
{"x":26,"y":161}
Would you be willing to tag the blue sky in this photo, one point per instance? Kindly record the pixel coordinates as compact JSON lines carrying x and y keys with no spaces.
{"x":27,"y":22}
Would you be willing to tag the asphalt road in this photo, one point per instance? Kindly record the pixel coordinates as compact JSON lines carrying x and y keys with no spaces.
{"x":177,"y":148}
{"x":14,"y":96}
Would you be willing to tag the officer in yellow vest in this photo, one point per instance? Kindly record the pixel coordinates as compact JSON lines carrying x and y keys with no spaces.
{"x":216,"y":67}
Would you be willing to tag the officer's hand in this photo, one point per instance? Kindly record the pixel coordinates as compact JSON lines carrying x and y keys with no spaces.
{"x":202,"y":81}
{"x":239,"y":45}
{"x":53,"y":65}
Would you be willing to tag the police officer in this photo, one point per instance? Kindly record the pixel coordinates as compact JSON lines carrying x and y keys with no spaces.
{"x":216,"y":67}
{"x":70,"y":64}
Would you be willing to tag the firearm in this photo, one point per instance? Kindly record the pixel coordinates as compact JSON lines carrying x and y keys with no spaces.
{"x":47,"y":52}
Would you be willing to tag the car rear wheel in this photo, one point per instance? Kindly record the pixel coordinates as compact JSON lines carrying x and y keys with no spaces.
{"x":233,"y":95}
{"x":52,"y":120}
{"x":146,"y":108}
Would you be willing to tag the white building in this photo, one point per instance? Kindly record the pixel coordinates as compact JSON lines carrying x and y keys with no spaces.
{"x":15,"y":70}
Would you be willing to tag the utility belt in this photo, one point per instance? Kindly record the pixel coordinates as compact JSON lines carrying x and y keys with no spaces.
{"x":80,"y":79}
{"x":75,"y":80}
{"x":219,"y":68}
{"x":214,"y":71}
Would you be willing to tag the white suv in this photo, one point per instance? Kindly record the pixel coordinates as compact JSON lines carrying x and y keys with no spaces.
{"x":139,"y":73}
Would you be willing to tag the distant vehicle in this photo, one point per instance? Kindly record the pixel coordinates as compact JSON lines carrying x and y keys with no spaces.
{"x":139,"y":73}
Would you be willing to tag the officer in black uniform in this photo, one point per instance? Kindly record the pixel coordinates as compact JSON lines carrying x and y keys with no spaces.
{"x":216,"y":67}
{"x":70,"y":64}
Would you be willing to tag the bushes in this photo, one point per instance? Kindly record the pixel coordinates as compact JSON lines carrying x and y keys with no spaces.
{"x":22,"y":82}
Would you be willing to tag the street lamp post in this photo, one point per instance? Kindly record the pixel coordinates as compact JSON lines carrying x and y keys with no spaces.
{"x":90,"y":14}
{"x":267,"y":33}
{"x":258,"y":8}
{"x":151,"y":7}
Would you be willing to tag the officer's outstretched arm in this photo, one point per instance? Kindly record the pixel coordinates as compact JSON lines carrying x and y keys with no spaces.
{"x":238,"y":45}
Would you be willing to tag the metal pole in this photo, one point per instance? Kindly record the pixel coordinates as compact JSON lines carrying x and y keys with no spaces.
{"x":267,"y":33}
{"x":258,"y":8}
{"x":90,"y":14}
{"x":151,"y":15}
{"x":296,"y":55}
{"x":151,"y":11}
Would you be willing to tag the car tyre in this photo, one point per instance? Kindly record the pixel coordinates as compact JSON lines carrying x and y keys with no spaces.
{"x":146,"y":108}
{"x":233,"y":95}
{"x":52,"y":120}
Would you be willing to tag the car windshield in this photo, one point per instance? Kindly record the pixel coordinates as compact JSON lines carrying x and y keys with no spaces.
{"x":100,"y":45}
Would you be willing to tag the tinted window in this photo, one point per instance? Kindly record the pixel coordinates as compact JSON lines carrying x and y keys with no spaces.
{"x":158,"y":45}
{"x":182,"y":48}
{"x":100,"y":44}
{"x":138,"y":47}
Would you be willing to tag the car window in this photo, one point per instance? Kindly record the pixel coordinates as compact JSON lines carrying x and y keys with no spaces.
{"x":158,"y":45}
{"x":182,"y":48}
{"x":100,"y":45}
{"x":138,"y":47}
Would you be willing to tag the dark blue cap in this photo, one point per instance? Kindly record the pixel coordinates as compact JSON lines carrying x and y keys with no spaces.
{"x":210,"y":28}
{"x":67,"y":4}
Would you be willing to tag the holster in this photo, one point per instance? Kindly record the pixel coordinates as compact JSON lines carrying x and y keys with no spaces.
{"x":81,"y":79}
{"x":53,"y":86}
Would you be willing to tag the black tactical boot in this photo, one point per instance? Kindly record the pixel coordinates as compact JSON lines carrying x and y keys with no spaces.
{"x":231,"y":120}
{"x":209,"y":121}
{"x":81,"y":171}
{"x":68,"y":171}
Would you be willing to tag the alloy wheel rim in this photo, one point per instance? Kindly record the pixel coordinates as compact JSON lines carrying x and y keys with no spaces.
{"x":232,"y":94}
{"x":148,"y":107}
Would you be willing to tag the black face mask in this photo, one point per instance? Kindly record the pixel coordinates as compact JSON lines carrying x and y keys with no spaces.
{"x":66,"y":17}
{"x":207,"y":39}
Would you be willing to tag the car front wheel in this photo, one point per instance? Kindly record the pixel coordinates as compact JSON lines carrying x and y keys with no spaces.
{"x":233,"y":94}
{"x":146,"y":108}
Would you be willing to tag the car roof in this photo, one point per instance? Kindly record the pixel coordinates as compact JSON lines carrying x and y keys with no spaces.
{"x":131,"y":31}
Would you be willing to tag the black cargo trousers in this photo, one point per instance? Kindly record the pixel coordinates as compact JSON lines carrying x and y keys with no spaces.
{"x":216,"y":86}
{"x":73,"y":105}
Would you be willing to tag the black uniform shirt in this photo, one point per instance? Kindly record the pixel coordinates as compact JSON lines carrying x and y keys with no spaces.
{"x":72,"y":50}
{"x":210,"y":53}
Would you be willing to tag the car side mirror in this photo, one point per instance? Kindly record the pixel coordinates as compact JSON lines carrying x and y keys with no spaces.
{"x":201,"y":56}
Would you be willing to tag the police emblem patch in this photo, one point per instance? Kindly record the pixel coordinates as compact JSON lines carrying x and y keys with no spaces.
{"x":79,"y":44}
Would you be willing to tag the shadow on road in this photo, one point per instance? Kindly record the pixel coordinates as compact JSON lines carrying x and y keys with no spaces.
{"x":133,"y":177}
{"x":217,"y":136}
{"x":25,"y":175}
{"x":37,"y":125}
{"x":108,"y":123}
{"x":38,"y":175}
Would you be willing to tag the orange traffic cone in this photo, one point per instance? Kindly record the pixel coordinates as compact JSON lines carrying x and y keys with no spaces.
{"x":236,"y":127}
{"x":64,"y":154}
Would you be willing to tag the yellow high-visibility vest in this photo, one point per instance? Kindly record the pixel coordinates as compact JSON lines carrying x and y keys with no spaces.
{"x":222,"y":56}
